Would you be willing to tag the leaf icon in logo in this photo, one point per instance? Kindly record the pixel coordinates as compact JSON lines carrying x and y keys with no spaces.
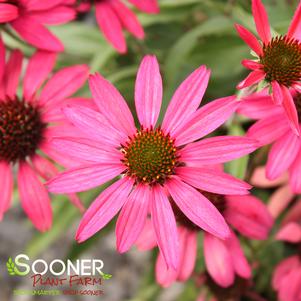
{"x":105,"y":276}
{"x":11,"y":268}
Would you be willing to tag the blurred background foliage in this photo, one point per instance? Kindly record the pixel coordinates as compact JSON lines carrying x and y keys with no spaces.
{"x":185,"y":35}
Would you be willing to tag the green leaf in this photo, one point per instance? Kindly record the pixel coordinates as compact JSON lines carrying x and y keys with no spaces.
{"x":81,"y":39}
{"x":106,"y":276}
{"x":181,"y":49}
{"x":10,"y":267}
{"x":237,"y":167}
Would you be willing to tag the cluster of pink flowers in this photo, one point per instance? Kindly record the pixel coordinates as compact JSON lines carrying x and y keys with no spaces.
{"x":169,"y":187}
{"x":29,"y":17}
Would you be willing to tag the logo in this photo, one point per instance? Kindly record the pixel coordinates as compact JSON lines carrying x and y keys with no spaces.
{"x":59,"y":274}
{"x":12,"y":269}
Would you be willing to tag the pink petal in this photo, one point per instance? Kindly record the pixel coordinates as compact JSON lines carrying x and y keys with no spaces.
{"x":148,"y":92}
{"x":280,"y":200}
{"x":290,"y":109}
{"x":249,"y":216}
{"x":6,"y":187}
{"x":55,"y":16}
{"x":86,"y":150}
{"x":57,"y":157}
{"x":216,"y":150}
{"x":253,"y":78}
{"x":60,"y":130}
{"x":55,"y":114}
{"x":34,"y":198}
{"x":84,"y":177}
{"x":132,"y":218}
{"x":188,"y":252}
{"x":12,"y":73}
{"x":239,"y":261}
{"x":212,"y":180}
{"x":277,"y":94}
{"x":147,"y":239}
{"x":116,"y":110}
{"x":63,"y":84}
{"x":290,"y":286}
{"x":94,"y":125}
{"x":8,"y":12}
{"x":283,"y":269}
{"x":38,"y":69}
{"x":252,"y":65}
{"x":294,"y":30}
{"x":2,"y":63}
{"x":294,"y":213}
{"x":165,"y":227}
{"x":249,"y":39}
{"x":261,"y":21}
{"x":188,"y":241}
{"x":295,"y":174}
{"x":33,"y":5}
{"x":258,"y":106}
{"x":297,"y":87}
{"x":36,"y":34}
{"x":47,"y":170}
{"x":81,"y":101}
{"x":103,"y":209}
{"x":197,"y":208}
{"x":164,"y":276}
{"x":148,"y":6}
{"x":186,"y":99}
{"x":206,"y":120}
{"x":83,"y":7}
{"x":76,"y":201}
{"x":290,"y":232}
{"x":265,"y":131}
{"x":259,"y":179}
{"x":128,"y":19}
{"x":282,"y":155}
{"x":218,"y":260}
{"x":44,"y":167}
{"x":110,"y":25}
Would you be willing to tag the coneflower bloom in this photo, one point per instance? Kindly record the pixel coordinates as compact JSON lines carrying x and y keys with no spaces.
{"x":287,"y":279}
{"x":223,"y":258}
{"x":272,"y":126}
{"x":113,"y":16}
{"x":282,"y":200}
{"x":278,"y":60}
{"x":154,"y":162}
{"x":287,"y":274}
{"x":281,"y":197}
{"x":28,"y":18}
{"x":27,"y":122}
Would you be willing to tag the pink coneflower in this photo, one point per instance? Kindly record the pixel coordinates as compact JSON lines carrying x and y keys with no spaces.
{"x":154,"y":162}
{"x":287,"y":275}
{"x":28,"y":18}
{"x":223,"y":258}
{"x":113,"y":16}
{"x":278,"y":59}
{"x":281,"y":197}
{"x":272,"y":127}
{"x":26,"y":124}
{"x":287,"y":279}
